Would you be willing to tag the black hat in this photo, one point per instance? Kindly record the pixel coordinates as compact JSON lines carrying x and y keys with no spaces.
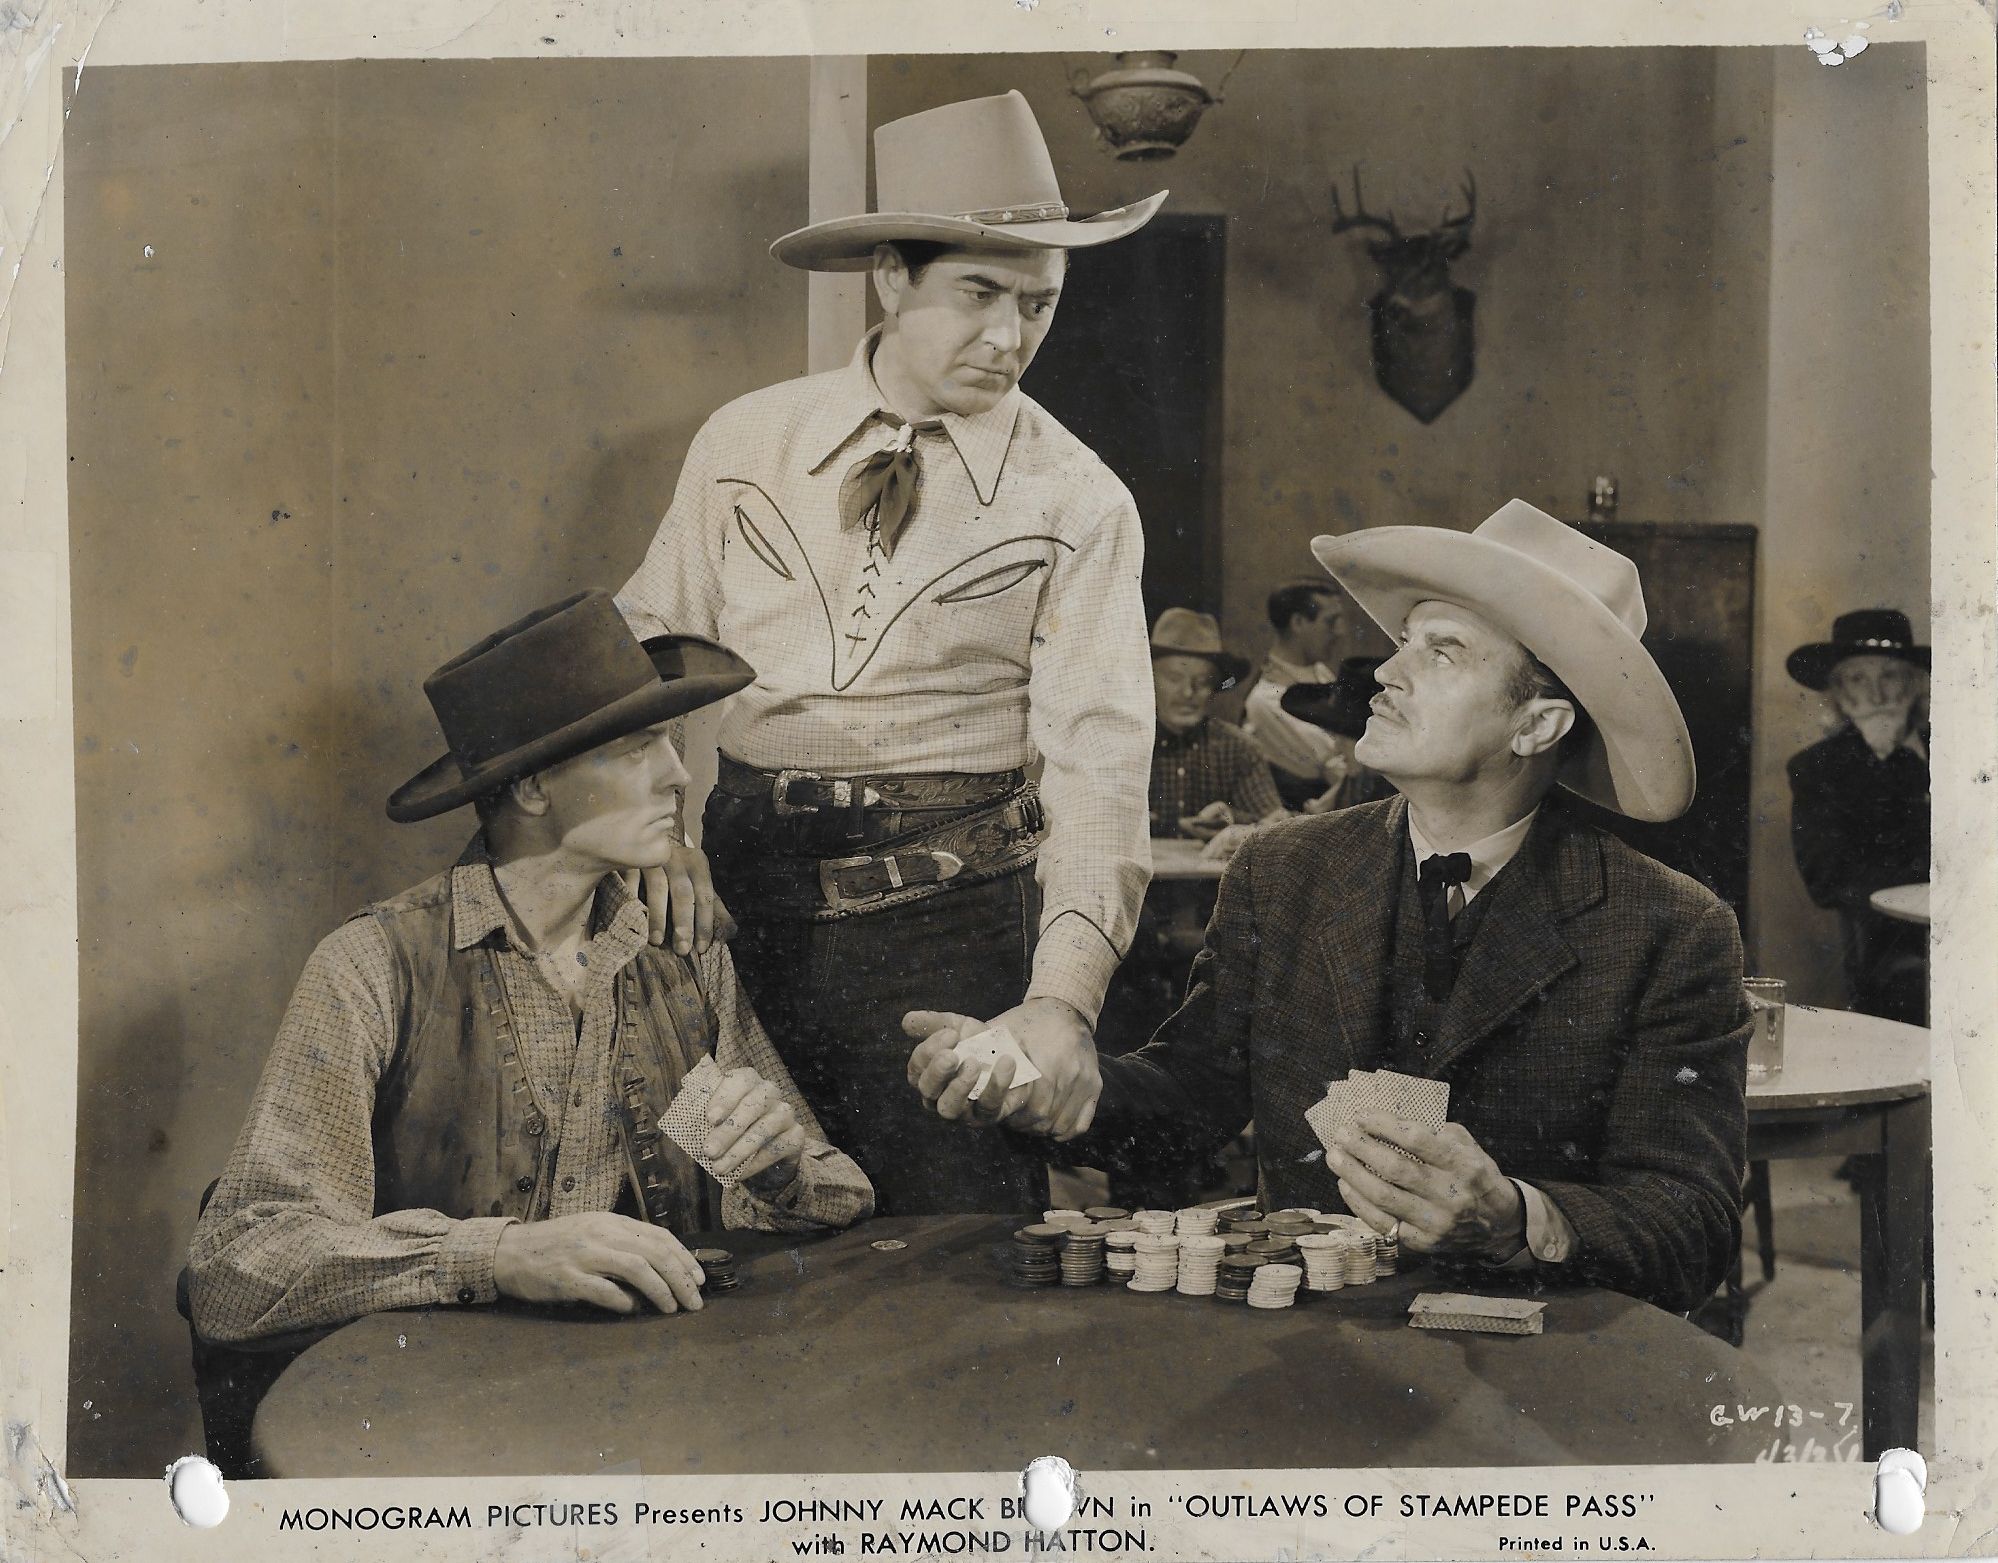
{"x":1871,"y":632}
{"x":1341,"y":706}
{"x":559,"y":683}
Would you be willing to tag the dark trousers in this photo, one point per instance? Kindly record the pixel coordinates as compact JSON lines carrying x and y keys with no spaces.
{"x":832,"y":996}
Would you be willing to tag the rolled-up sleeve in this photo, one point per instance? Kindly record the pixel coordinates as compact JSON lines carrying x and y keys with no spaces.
{"x":290,"y":1239}
{"x":1091,"y":716}
{"x":829,"y":1190}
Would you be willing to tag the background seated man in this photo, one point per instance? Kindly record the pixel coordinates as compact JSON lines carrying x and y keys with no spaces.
{"x":464,"y":1098}
{"x":1582,"y":1001}
{"x":1859,"y":803}
{"x":1307,"y":762}
{"x":1206,"y":776}
{"x":1340,"y":710}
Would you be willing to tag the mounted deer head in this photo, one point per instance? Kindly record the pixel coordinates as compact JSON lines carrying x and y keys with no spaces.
{"x":1423,"y":344}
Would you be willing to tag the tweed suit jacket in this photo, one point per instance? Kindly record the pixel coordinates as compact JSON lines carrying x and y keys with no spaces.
{"x":1595,"y":1042}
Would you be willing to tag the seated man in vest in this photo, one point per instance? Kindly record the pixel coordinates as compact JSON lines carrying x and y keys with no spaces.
{"x":1582,"y":1001}
{"x":465,"y":1095}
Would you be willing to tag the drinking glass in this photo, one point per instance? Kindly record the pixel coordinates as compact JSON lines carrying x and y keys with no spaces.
{"x":1765,"y":1042}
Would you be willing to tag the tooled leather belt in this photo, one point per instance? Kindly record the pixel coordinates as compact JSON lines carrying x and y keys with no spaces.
{"x":991,"y":824}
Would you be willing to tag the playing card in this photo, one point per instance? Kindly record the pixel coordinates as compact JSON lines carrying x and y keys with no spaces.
{"x":1487,"y":1315}
{"x":1426,"y":1102}
{"x":685,"y":1121}
{"x":988,"y":1047}
{"x":1325,"y":1117}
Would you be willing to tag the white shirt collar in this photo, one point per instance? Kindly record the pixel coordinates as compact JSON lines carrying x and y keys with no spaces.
{"x":1488,"y":855}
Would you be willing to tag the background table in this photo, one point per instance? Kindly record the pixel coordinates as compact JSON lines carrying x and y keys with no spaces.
{"x":1904,"y":903}
{"x":1179,"y":858}
{"x":1856,"y":1085}
{"x":837,"y":1356}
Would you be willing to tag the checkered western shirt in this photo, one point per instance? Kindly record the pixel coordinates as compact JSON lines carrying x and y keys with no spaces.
{"x":1007,"y":624}
{"x":291,"y":1239}
{"x":1215,"y":763}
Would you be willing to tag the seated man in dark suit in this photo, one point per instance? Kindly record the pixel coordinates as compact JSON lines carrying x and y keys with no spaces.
{"x":465,"y":1095}
{"x":1583,"y":1002}
{"x":1859,"y":803}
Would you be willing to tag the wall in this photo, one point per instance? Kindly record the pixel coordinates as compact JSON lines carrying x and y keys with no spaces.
{"x":1629,"y":205}
{"x":365,"y":360}
{"x":1848,"y":431}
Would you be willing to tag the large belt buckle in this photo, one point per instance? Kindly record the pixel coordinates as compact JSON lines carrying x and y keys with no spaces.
{"x":837,"y":899}
{"x":780,"y":792}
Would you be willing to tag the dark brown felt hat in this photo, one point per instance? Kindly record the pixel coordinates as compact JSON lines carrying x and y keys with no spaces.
{"x":1339,"y":707}
{"x":555,"y":685}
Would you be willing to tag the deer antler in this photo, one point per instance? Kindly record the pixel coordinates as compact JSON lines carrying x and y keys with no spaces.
{"x":1470,"y":206}
{"x":1361,"y":217}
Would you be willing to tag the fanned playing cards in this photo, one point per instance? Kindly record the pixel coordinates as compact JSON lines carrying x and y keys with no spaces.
{"x":1426,"y":1102}
{"x":988,"y":1047}
{"x":685,"y":1121}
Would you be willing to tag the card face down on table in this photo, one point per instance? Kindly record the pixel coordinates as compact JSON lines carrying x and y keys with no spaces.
{"x":988,"y":1047}
{"x":1487,"y":1315}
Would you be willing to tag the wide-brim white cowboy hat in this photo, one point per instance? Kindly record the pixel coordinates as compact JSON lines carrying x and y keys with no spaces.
{"x":974,"y":174}
{"x":1575,"y":604}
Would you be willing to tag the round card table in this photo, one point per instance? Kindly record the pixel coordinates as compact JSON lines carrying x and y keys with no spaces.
{"x":838,"y":1355}
{"x":1857,"y":1085}
{"x":1904,"y":903}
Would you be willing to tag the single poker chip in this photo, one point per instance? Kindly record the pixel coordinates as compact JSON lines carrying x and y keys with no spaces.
{"x":1043,"y":1232}
{"x":713,"y":1256}
{"x":1106,"y":1213}
{"x":888,"y":1245}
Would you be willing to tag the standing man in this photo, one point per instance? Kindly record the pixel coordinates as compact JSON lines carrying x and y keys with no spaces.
{"x":1583,"y":1001}
{"x":1307,"y":761}
{"x":1859,"y":803}
{"x":939,"y":586}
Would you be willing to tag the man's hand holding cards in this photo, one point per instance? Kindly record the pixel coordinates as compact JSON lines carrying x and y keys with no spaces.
{"x":976,"y":1075}
{"x":737,"y":1126}
{"x":1399,"y":1162}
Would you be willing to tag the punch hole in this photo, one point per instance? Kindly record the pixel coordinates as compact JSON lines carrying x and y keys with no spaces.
{"x":1899,"y":1481}
{"x":199,"y":1497}
{"x":1049,"y":1483}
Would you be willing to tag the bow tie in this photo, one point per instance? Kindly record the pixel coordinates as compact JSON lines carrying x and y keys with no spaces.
{"x":881,"y":489}
{"x":1435,"y":879}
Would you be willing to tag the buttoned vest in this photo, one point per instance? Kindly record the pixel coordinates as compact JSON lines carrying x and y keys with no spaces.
{"x":456,"y":1126}
{"x":1415,"y":1020}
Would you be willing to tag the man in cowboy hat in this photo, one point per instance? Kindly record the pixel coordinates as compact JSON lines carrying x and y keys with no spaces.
{"x":1582,"y":1001}
{"x":1859,"y":802}
{"x":1308,"y":762}
{"x":1340,"y":709}
{"x":939,"y":586}
{"x":1206,"y":775}
{"x":465,"y":1096}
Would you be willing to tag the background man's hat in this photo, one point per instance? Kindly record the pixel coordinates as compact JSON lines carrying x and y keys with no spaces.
{"x":1181,"y":632}
{"x":1575,"y":604}
{"x":1871,"y":632}
{"x":555,"y":685}
{"x":1340,"y":706}
{"x":970,"y":174}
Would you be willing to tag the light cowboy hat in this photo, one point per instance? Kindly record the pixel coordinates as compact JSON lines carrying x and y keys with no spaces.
{"x":970,"y":174}
{"x":557,"y":684}
{"x":1575,"y":604}
{"x":1182,"y":632}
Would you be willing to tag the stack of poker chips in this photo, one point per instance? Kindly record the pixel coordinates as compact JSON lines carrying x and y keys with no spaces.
{"x":1120,"y":1260}
{"x":1235,"y":1274}
{"x":1324,"y":1260}
{"x":1157,"y":1267}
{"x":718,"y":1266}
{"x":1066,"y":1218}
{"x":1275,"y":1286}
{"x":1360,"y":1259}
{"x":1275,"y":1250}
{"x":1034,"y":1258}
{"x":1106,"y":1213}
{"x":1153,"y":1223}
{"x":1291,"y":1223}
{"x":1387,"y":1252}
{"x":1082,"y":1257}
{"x":1250,"y":1221}
{"x":1195,"y":1221}
{"x":1199,"y":1264}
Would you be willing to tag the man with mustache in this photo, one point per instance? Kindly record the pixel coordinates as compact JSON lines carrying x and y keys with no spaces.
{"x":939,"y":587}
{"x":1859,"y":803}
{"x":1582,"y":1001}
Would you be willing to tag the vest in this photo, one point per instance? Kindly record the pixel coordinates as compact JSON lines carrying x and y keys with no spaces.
{"x":1414,"y":1018}
{"x":456,"y":1128}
